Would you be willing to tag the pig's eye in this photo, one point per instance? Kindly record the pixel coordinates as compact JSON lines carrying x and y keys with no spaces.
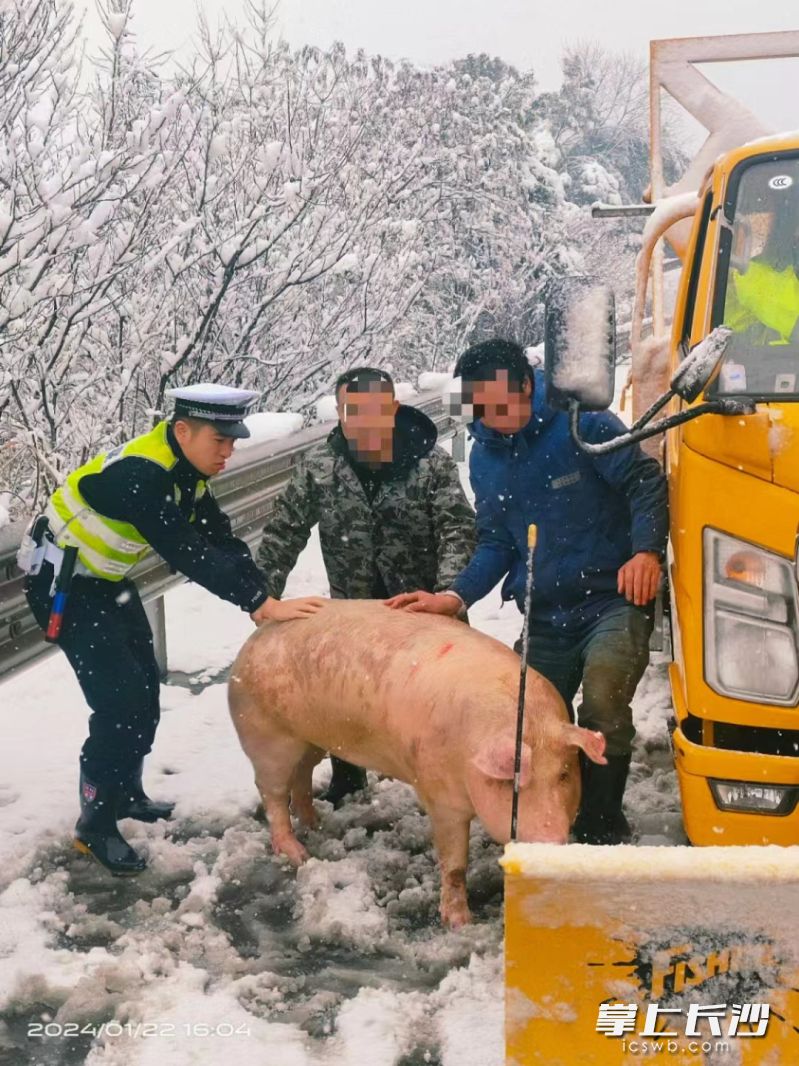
{"x":564,"y":775}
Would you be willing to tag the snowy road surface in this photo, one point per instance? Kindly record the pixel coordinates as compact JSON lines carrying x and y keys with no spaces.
{"x":219,"y":950}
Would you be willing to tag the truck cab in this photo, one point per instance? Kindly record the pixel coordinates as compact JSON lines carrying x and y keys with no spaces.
{"x":734,"y":505}
{"x":732,"y":459}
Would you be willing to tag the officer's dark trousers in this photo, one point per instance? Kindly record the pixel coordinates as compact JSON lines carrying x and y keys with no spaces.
{"x":107,"y":639}
{"x":608,"y":656}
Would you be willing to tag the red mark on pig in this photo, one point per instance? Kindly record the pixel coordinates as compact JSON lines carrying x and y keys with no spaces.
{"x":442,"y":651}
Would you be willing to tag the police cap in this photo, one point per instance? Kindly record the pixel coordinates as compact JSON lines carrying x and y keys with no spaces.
{"x":225,"y":407}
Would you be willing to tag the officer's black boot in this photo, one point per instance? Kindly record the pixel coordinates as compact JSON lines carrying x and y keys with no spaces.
{"x":601,"y":819}
{"x":346,"y":779}
{"x":96,"y":832}
{"x":133,"y":802}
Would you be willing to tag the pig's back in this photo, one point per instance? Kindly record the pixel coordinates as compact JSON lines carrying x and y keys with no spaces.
{"x":357,"y":669}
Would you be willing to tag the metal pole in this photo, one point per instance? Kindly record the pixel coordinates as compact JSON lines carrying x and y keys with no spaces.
{"x":622,"y":210}
{"x":657,"y":184}
{"x":156,"y":616}
{"x":532,"y":535}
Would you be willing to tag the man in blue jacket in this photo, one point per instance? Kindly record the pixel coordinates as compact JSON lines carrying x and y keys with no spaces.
{"x":602,"y":529}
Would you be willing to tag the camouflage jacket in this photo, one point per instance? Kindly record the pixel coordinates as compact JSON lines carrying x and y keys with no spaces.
{"x":416,"y":531}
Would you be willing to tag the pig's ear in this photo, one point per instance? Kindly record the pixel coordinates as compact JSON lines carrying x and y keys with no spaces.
{"x":497,"y":759}
{"x":592,"y":743}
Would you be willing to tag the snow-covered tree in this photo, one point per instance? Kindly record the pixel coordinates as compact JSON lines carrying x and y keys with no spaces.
{"x":261,"y":216}
{"x":498,"y":233}
{"x":76,"y":210}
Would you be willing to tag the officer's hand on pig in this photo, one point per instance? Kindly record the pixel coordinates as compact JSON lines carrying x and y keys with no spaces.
{"x":272,"y":610}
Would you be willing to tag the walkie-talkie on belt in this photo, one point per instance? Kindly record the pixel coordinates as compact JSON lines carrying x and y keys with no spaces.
{"x":30,"y":555}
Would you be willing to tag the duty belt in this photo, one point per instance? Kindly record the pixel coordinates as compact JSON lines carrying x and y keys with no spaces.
{"x":30,"y":560}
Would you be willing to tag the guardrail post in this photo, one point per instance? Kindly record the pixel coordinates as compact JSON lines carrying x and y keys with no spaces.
{"x":156,"y":616}
{"x":459,"y":446}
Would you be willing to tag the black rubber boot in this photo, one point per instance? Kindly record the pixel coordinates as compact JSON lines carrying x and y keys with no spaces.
{"x":347,"y":778}
{"x":96,"y":832}
{"x":134,"y":803}
{"x":601,"y":819}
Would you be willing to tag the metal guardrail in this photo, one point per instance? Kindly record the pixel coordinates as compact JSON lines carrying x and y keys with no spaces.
{"x":255,"y":476}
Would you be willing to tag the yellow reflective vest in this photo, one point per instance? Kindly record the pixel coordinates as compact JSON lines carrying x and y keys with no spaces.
{"x":107,"y":548}
{"x":766,"y":296}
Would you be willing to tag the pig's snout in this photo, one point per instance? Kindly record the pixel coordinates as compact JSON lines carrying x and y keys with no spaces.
{"x":545,"y":836}
{"x":555,"y":838}
{"x":550,"y":827}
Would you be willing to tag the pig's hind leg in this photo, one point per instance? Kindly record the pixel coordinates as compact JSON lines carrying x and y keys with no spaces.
{"x":276,"y":760}
{"x":302,"y":788}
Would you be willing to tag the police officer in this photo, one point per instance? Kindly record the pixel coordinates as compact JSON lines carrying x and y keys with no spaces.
{"x":152,"y":492}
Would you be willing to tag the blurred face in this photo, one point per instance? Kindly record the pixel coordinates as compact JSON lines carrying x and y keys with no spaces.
{"x":205,"y":448}
{"x":367,"y":421}
{"x":501,"y":404}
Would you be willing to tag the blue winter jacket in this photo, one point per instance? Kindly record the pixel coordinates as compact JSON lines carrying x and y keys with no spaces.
{"x":593,"y":513}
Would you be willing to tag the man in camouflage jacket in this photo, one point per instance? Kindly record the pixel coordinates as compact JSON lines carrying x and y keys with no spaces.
{"x":391,"y":511}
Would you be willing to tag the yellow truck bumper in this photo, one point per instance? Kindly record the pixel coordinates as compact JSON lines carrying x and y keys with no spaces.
{"x":594,"y":937}
{"x":705,"y":823}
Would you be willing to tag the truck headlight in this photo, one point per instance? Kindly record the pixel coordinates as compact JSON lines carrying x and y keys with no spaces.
{"x":751,"y":612}
{"x":745,"y":796}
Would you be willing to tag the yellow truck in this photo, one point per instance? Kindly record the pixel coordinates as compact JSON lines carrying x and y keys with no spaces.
{"x":734,"y":498}
{"x":613,"y":954}
{"x":732,"y":457}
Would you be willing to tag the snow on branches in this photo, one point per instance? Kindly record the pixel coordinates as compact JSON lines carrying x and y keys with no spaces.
{"x":259,"y":216}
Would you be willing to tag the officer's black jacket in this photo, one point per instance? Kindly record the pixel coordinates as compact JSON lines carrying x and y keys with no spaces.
{"x":158,"y":503}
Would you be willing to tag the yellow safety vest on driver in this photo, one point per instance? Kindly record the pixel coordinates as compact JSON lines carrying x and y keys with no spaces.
{"x":766,"y":296}
{"x":107,"y":548}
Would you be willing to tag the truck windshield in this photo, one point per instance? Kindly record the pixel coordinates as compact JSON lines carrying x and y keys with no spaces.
{"x":758,"y":281}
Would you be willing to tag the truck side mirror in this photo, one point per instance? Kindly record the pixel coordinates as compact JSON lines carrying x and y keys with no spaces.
{"x":700,"y":366}
{"x":580,"y":343}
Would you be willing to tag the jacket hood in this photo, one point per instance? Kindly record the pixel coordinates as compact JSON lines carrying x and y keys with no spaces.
{"x":542,"y":414}
{"x":415,"y":435}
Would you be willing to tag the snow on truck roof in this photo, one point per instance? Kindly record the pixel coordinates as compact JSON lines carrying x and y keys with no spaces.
{"x":771,"y":142}
{"x":582,"y":862}
{"x":675,"y":207}
{"x":778,"y":142}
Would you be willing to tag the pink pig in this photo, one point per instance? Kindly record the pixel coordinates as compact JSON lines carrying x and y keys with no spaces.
{"x":418,"y":697}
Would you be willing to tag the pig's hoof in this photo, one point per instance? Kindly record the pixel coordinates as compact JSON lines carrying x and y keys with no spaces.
{"x":455,"y":915}
{"x":308,"y":817}
{"x":292,"y":849}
